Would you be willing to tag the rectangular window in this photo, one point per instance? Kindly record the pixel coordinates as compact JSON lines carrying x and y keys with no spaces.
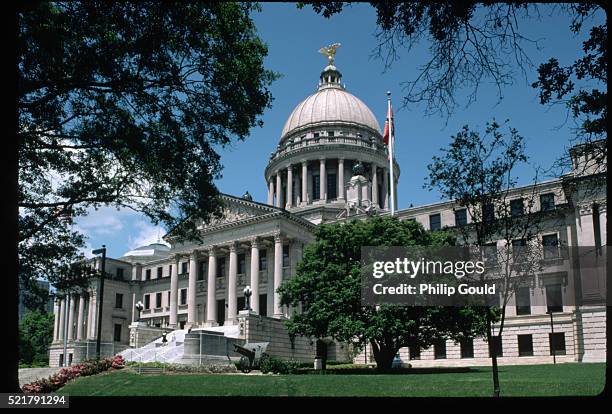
{"x":183,"y":296}
{"x":415,"y":352}
{"x":263,"y":305}
{"x":550,"y":242}
{"x":435,"y":223}
{"x":332,"y":186}
{"x":241,"y":264}
{"x":285,"y":255}
{"x":516,"y":207}
{"x":118,"y":301}
{"x":263,"y":260}
{"x":597,"y":228}
{"x":440,"y":349}
{"x":184,"y":268}
{"x":489,"y":252}
{"x":523,"y":301}
{"x":221,"y":267}
{"x":330,"y":133}
{"x":167,"y":297}
{"x":316,"y":187}
{"x":147,"y":301}
{"x":467,"y":348}
{"x":496,"y":345}
{"x":202,"y":270}
{"x":461,"y":217}
{"x":547,"y":202}
{"x":158,"y":300}
{"x":159,"y":272}
{"x":525,"y":345}
{"x":554,"y":298}
{"x":169,"y":270}
{"x":557,"y":342}
{"x":148,"y":274}
{"x":488,"y":213}
{"x":518,"y":249}
{"x":117,"y":333}
{"x":119,"y":273}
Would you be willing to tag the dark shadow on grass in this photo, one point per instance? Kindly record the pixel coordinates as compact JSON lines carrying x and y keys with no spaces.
{"x":394,"y":371}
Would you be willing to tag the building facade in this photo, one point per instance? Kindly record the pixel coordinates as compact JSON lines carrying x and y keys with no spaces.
{"x":330,"y":163}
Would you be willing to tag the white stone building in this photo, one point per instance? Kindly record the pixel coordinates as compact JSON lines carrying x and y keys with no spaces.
{"x":310,"y":181}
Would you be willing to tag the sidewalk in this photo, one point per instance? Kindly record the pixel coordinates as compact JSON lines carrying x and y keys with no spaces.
{"x":27,"y":375}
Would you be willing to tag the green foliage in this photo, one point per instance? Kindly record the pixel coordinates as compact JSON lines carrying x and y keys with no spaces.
{"x":125,"y":104}
{"x":278,"y":366}
{"x":35,"y":336}
{"x":328,"y":286}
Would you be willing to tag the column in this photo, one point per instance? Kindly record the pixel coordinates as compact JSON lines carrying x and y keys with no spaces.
{"x":289,"y":203}
{"x":385,"y":189}
{"x":71,"y":313}
{"x":255,"y":275}
{"x":174,"y":293}
{"x":56,"y":319}
{"x":271,"y":192}
{"x":304,"y":182}
{"x":80,"y":321}
{"x":134,"y":310}
{"x":191,"y":290}
{"x":232,"y":301}
{"x":62,"y":317}
{"x":322,"y":180}
{"x":374,"y":185}
{"x":211,"y":300}
{"x":341,"y":178}
{"x":603,"y":208}
{"x":91,"y":328}
{"x":279,"y":189}
{"x":278,"y":274}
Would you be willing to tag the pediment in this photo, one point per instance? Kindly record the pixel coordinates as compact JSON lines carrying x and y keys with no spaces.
{"x":237,"y":210}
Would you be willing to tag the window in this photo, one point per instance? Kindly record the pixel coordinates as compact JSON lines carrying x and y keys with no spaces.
{"x":489,"y":252}
{"x":547,"y":202}
{"x":496,"y":345}
{"x":516,"y":207}
{"x":461,"y":217}
{"x":518,"y":249}
{"x":117,"y":333}
{"x":440,"y":349}
{"x":169,"y":270}
{"x":148,"y":274}
{"x":158,"y":300}
{"x":523,"y":301}
{"x":330,"y":133}
{"x":184,"y":268}
{"x":119,"y":273}
{"x":467,"y":348}
{"x":316,"y":187}
{"x":332,"y":186}
{"x":147,"y":301}
{"x":263,"y":305}
{"x":118,"y":301}
{"x":285,"y":255}
{"x":241,"y":264}
{"x":263,"y":260}
{"x":597,"y":228}
{"x":415,"y":352}
{"x":488,"y":213}
{"x":550,"y":243}
{"x":159,"y":272}
{"x":557,"y":343}
{"x":183,"y":296}
{"x":554,"y":298}
{"x":316,"y":135}
{"x":202,"y":270}
{"x":435,"y":222}
{"x":168,"y":298}
{"x":221,"y":268}
{"x":525,"y":345}
{"x":61,"y":360}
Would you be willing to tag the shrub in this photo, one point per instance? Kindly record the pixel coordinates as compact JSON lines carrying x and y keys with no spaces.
{"x":278,"y":366}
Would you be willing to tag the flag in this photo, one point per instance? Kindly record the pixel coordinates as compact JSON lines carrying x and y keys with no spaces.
{"x":388,"y":130}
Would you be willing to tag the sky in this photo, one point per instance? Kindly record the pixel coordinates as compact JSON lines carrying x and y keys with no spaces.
{"x":294,"y":36}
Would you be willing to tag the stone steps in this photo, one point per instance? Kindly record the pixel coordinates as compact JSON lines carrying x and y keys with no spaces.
{"x":149,"y":370}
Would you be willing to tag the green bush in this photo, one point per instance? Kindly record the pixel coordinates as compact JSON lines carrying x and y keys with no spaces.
{"x":202,"y":369}
{"x":278,"y":366}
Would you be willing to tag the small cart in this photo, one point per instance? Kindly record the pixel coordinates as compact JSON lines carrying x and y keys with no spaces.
{"x":252,"y":355}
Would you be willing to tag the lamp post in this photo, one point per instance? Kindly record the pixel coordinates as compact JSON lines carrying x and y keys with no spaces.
{"x":65,"y":333}
{"x":139,"y":308}
{"x":552,"y":338}
{"x":101,"y":299}
{"x":247,"y":295}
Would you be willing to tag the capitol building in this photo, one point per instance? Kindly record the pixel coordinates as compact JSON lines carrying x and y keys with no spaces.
{"x":330,"y":164}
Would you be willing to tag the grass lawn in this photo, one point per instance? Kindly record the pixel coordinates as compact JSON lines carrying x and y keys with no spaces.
{"x":526,"y":380}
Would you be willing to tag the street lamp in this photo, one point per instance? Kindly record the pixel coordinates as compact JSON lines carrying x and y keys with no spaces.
{"x":101,"y":251}
{"x":139,"y":308}
{"x":247,"y":295}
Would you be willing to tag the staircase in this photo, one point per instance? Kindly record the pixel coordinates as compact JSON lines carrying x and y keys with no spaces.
{"x":143,"y":370}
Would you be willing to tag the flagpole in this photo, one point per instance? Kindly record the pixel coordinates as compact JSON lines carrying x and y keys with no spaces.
{"x":391,"y":175}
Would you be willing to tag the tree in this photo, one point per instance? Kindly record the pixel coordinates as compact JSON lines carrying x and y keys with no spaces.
{"x":478,"y":172}
{"x":327,"y":286}
{"x":124,"y":104}
{"x":35,"y":335}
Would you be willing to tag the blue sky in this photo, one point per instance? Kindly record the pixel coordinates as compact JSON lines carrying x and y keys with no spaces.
{"x":294,"y":36}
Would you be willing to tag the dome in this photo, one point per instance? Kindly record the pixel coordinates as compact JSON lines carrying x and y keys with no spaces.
{"x":153,"y":250}
{"x":331,"y":103}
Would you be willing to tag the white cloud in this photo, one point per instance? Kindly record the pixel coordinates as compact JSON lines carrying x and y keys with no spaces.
{"x":147,"y":233}
{"x":105,"y":220}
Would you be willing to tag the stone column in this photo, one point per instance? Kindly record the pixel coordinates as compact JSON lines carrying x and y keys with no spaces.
{"x":304,"y":182}
{"x":211,"y":301}
{"x":603,"y":207}
{"x":271,"y":192}
{"x":279,"y":189}
{"x":71,"y":314}
{"x":232,"y":300}
{"x":341,"y":178}
{"x":174,"y":293}
{"x":62,"y":317}
{"x":278,"y":274}
{"x":289,"y":202}
{"x":134,"y":310}
{"x":374,"y":185}
{"x":191,"y":290}
{"x":91,"y":311}
{"x":56,"y":311}
{"x":255,"y":275}
{"x":322,"y":180}
{"x":81,"y":315}
{"x":385,"y":189}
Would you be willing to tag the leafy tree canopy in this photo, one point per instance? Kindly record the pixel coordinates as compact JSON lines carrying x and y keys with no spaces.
{"x":328,"y":287}
{"x":35,"y":335}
